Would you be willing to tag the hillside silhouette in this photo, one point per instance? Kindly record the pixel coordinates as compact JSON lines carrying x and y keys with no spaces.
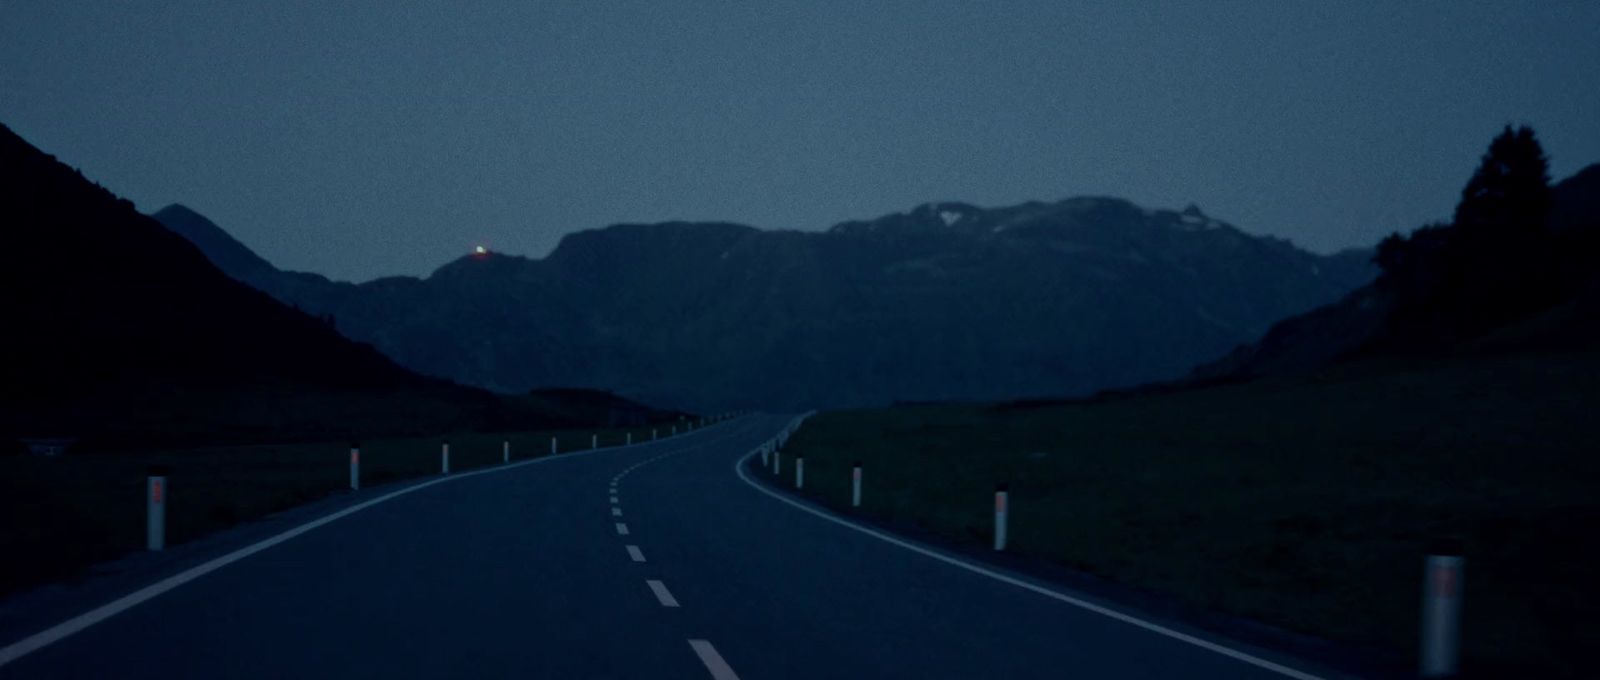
{"x":1516,"y":269}
{"x":121,"y":332}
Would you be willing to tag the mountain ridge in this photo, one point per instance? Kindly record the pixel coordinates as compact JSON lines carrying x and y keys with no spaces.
{"x":943,"y":301}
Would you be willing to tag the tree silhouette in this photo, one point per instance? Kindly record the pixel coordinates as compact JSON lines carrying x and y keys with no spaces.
{"x":1495,"y":262}
{"x":1510,"y":191}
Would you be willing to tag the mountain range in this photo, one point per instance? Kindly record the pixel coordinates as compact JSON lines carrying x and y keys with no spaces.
{"x":947,"y":301}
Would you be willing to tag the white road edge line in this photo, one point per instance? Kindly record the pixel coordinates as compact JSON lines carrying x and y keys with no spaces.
{"x":660,"y":589}
{"x":720,"y":670}
{"x":634,"y":554}
{"x":76,"y":624}
{"x":738,"y":467}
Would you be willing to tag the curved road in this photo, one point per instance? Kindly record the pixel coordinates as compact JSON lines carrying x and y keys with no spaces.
{"x":533,"y":571}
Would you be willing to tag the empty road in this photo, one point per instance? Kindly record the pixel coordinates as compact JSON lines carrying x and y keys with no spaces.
{"x":651,"y":561}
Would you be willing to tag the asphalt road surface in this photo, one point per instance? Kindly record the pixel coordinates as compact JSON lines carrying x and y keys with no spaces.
{"x":534,"y":571}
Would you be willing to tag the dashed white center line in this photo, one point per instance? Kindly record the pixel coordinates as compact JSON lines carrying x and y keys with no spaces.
{"x":633,"y":552}
{"x":720,"y":670}
{"x":622,"y":529}
{"x":613,"y":500}
{"x":616,"y":512}
{"x":660,"y":589}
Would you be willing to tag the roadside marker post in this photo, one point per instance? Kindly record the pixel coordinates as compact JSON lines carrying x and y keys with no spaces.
{"x":1441,"y":614}
{"x":777,"y":462}
{"x":630,"y":440}
{"x":552,"y":446}
{"x":594,"y":441}
{"x":674,"y":430}
{"x":855,"y":486}
{"x":355,"y":467}
{"x":1001,"y":503}
{"x":156,"y":510}
{"x":505,"y":451}
{"x":652,"y":434}
{"x":799,"y":472}
{"x":444,"y":459}
{"x":764,"y":455}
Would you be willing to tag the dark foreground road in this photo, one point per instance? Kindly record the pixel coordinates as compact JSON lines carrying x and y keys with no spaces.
{"x":533,"y":572}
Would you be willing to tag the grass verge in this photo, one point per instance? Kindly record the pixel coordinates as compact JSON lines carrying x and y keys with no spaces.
{"x":1304,"y":503}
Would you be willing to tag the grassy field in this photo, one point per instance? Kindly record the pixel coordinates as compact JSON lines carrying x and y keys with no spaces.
{"x":70,"y":512}
{"x":1304,"y":503}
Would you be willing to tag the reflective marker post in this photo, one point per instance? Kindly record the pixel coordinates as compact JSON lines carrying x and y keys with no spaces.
{"x":552,"y":446}
{"x":594,"y":441}
{"x":799,"y":472}
{"x":855,"y":486}
{"x":764,"y":455}
{"x":1000,"y":503}
{"x":355,"y":467}
{"x":652,"y":434}
{"x":444,"y":459}
{"x":505,"y":451}
{"x":1441,"y":614}
{"x":777,"y":462}
{"x":629,"y":441}
{"x":156,"y":510}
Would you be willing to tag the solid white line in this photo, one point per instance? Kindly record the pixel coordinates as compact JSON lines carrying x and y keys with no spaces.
{"x":720,"y":670}
{"x":622,"y":529}
{"x":660,"y":589}
{"x":634,"y":554}
{"x":616,"y":512}
{"x":738,"y":467}
{"x":69,"y":627}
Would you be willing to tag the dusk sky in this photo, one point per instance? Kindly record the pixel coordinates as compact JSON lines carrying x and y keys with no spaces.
{"x":362,"y":139}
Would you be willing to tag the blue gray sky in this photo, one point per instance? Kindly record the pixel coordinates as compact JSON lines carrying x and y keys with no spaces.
{"x":361,"y":139}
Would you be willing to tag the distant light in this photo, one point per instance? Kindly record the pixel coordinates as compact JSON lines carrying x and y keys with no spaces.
{"x":482,"y":250}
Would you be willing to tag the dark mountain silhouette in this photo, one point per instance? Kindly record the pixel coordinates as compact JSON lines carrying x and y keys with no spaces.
{"x":1518,"y":269}
{"x":947,"y":301}
{"x":119,"y":330}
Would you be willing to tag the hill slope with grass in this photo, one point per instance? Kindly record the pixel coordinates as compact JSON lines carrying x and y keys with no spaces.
{"x":1303,"y":503}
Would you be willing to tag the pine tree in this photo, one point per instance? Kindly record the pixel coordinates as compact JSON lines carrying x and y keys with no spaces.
{"x":1510,"y":191}
{"x":1496,"y":262}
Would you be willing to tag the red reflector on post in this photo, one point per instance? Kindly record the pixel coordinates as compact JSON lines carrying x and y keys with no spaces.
{"x":1444,"y":581}
{"x":155,"y":491}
